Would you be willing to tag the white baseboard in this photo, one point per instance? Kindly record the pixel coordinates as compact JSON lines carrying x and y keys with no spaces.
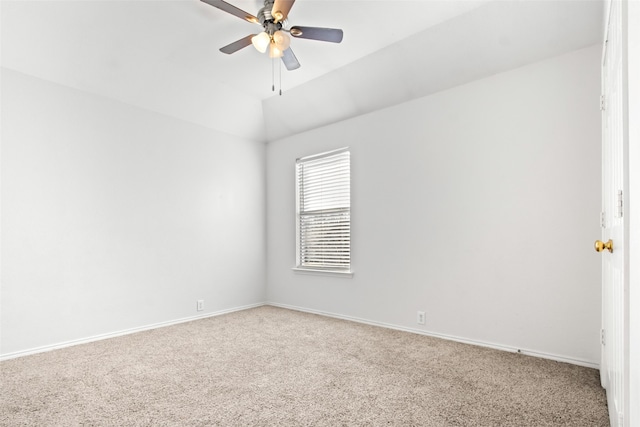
{"x":542,"y":355}
{"x":57,"y":346}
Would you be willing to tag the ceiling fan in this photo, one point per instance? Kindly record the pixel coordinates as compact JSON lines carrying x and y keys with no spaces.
{"x":273,"y":19}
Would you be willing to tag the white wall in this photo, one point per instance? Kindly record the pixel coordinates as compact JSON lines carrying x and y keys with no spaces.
{"x":478,"y":205}
{"x":114,"y":217}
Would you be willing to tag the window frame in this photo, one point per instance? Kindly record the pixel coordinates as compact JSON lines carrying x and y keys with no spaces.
{"x":299,"y":189}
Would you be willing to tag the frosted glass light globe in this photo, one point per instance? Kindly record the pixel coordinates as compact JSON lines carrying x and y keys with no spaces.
{"x":261,"y":42}
{"x":282,"y":40}
{"x":274,"y":51}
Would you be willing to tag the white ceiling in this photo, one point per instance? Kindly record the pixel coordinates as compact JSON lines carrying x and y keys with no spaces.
{"x":496,"y":37}
{"x":163,"y":55}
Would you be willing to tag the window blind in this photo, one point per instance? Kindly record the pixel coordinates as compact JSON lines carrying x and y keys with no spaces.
{"x":323,"y":211}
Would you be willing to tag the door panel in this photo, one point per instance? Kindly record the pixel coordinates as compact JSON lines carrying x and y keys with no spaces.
{"x":613,"y":281}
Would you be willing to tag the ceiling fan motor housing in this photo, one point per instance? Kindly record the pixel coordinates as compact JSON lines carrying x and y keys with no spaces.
{"x":267,"y":20}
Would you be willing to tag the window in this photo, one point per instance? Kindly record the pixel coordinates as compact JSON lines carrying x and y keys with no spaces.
{"x":323,"y":212}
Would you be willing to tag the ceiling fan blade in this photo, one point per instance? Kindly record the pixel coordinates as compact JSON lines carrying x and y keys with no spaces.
{"x":290,"y":60}
{"x":332,"y":35}
{"x":222,"y":5}
{"x":237,"y":45}
{"x":281,"y":9}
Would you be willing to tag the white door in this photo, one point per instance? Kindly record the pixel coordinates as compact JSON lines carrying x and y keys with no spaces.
{"x":613,"y":368}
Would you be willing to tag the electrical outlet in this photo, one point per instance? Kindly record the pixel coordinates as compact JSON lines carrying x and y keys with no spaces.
{"x":420,"y":318}
{"x":200,"y":305}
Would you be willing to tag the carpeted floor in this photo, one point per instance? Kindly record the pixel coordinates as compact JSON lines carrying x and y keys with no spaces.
{"x":274,"y":367}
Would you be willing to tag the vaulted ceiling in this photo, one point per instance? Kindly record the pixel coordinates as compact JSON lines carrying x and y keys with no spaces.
{"x":163,"y":55}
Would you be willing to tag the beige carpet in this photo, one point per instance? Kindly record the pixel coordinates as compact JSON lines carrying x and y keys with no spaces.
{"x":274,"y":367}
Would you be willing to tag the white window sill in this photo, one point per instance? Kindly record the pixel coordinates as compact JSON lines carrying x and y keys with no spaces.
{"x":311,"y":271}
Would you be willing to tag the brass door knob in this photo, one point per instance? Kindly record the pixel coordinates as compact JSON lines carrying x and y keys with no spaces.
{"x":601,"y":246}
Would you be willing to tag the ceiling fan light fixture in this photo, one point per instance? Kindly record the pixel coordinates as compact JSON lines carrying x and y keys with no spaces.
{"x":281,"y":40}
{"x":261,"y":42}
{"x":276,"y":35}
{"x":275,"y":52}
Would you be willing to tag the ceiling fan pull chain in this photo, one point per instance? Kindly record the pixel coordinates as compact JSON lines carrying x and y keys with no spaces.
{"x":280,"y":68}
{"x":273,"y":83}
